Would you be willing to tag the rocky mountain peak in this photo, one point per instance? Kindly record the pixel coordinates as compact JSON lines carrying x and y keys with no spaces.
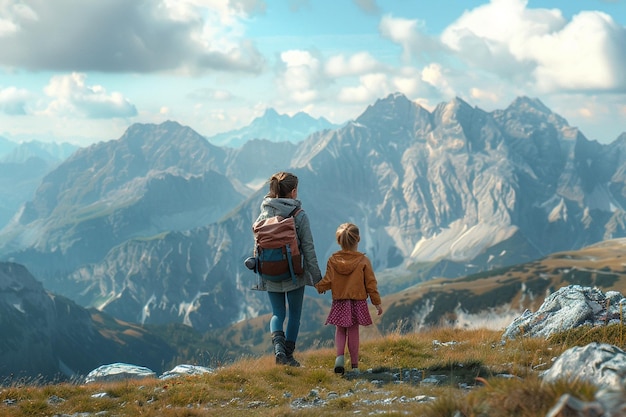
{"x":396,"y":115}
{"x":393,"y":106}
{"x":269,"y":114}
{"x":16,"y":278}
{"x":528,"y":104}
{"x":452,"y":112}
{"x":527,"y":115}
{"x":168,"y":134}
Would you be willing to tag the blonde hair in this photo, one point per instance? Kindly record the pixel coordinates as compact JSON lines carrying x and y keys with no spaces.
{"x":348,"y":236}
{"x":281,"y":184}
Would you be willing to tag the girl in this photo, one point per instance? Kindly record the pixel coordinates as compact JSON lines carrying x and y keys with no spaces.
{"x":350,"y":278}
{"x":282,"y":200}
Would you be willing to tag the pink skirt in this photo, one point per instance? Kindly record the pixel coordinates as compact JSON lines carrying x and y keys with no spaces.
{"x":347,"y":313}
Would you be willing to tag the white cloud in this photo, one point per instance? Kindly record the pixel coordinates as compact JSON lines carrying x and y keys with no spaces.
{"x":356,"y":64}
{"x":408,"y":81}
{"x":371,"y":88}
{"x":11,"y":12}
{"x":479,"y":94}
{"x":540,"y":48}
{"x":435,"y":75}
{"x":587,"y":54}
{"x":13,"y":100}
{"x":128,"y":36}
{"x":211,"y":94}
{"x":501,"y":22}
{"x":300,"y":76}
{"x":408,"y":34}
{"x":72,"y":97}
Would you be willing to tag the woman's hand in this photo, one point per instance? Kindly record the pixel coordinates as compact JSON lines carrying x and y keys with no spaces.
{"x":379,"y":308}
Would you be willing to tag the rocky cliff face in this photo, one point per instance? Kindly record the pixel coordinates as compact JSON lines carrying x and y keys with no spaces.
{"x":154,"y":227}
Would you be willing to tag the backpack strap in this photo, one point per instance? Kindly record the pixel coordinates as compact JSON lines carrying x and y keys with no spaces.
{"x":295,"y":212}
{"x":290,"y":263}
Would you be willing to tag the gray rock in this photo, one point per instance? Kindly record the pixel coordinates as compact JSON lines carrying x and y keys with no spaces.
{"x":117,"y":372}
{"x":607,"y":403}
{"x":567,"y":308}
{"x":598,"y":363}
{"x":569,"y":406}
{"x":185,"y":370}
{"x":601,"y":364}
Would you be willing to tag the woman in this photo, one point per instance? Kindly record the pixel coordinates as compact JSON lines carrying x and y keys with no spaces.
{"x":286,"y":296}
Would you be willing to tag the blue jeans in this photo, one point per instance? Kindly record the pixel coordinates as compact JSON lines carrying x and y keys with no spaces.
{"x":279,"y":301}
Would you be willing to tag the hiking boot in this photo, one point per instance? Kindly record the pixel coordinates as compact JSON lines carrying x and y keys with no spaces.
{"x":278,"y":340}
{"x":289,"y":359}
{"x":340,"y":365}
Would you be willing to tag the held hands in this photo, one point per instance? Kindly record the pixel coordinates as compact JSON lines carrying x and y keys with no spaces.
{"x":379,"y":308}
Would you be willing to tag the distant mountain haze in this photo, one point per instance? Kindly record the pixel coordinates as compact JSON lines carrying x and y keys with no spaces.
{"x":22,"y":167}
{"x":273,"y":127}
{"x":154,"y":227}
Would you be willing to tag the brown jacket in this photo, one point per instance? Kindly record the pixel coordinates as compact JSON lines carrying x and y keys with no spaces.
{"x":349,"y":276}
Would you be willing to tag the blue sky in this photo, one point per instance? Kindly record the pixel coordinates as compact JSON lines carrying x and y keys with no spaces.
{"x":83,"y":71}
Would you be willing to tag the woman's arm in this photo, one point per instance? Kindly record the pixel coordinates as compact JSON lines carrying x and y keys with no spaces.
{"x":308,"y":247}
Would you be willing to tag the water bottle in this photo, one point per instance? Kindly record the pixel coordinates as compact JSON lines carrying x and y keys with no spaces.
{"x":250,"y":263}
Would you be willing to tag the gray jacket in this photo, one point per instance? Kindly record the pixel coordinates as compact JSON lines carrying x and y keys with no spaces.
{"x":283,"y":207}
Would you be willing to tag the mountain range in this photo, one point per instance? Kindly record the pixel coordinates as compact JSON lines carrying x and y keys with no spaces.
{"x":153,"y":227}
{"x":274,"y":127}
{"x":50,"y":336}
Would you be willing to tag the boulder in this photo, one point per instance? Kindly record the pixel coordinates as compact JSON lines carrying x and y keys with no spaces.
{"x":567,"y":308}
{"x":601,"y":364}
{"x":185,"y":370}
{"x":597,"y":363}
{"x":118,"y":372}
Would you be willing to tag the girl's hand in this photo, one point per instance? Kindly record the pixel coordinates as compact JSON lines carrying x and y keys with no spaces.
{"x":379,"y":308}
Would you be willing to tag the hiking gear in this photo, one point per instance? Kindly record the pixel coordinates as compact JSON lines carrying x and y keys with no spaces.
{"x":278,"y":340}
{"x":283,"y":207}
{"x":340,"y":365}
{"x":277,"y":249}
{"x":289,"y":348}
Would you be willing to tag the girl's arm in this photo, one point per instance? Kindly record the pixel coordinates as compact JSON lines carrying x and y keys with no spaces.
{"x":371,"y":285}
{"x":324,"y":284}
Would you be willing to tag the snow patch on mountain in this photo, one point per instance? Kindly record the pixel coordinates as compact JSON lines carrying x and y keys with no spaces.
{"x":460,"y":242}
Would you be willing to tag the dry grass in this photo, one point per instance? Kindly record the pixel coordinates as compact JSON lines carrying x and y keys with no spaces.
{"x":257,"y":387}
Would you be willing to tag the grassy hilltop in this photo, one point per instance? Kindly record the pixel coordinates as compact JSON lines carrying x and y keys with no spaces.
{"x":477,"y":374}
